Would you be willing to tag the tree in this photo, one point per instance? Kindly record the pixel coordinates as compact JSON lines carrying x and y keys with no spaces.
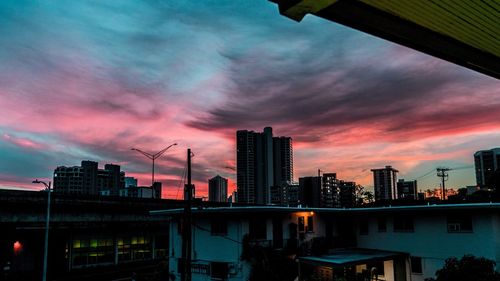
{"x":468,"y":268}
{"x":368,"y":197}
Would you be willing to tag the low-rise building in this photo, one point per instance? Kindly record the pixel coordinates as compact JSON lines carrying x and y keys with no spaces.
{"x":391,"y":243}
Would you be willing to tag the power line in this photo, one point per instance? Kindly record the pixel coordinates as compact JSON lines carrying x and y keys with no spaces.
{"x":225,"y":237}
{"x":182,"y":181}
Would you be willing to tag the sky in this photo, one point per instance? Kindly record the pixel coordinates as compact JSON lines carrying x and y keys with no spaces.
{"x":89,"y":80}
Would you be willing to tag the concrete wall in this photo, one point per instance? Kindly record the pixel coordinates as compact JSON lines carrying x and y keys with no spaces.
{"x":212,"y":248}
{"x":433,"y":243}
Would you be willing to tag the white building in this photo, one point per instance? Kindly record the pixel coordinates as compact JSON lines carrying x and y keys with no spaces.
{"x":398,"y":244}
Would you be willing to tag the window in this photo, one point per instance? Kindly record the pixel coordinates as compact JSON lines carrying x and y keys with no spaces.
{"x":459,"y":224}
{"x":258,"y":229}
{"x":219,"y":270}
{"x":310,"y":225}
{"x":363,"y":227}
{"x":416,"y":265}
{"x":302,"y":224}
{"x":376,"y":268}
{"x":92,"y":251}
{"x":382,"y":225}
{"x":218,"y":227}
{"x":403,"y":224}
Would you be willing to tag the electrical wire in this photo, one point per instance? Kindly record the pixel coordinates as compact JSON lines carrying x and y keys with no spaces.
{"x":207,"y":230}
{"x":182,"y":181}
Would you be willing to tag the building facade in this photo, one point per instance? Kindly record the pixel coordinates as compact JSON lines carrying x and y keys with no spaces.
{"x":407,"y":189}
{"x":486,"y":162}
{"x":130,"y":181}
{"x":262,"y":162}
{"x":217,"y":189}
{"x":384,"y":183}
{"x":347,"y":194}
{"x":408,"y":243}
{"x":326,"y":191}
{"x":330,"y":191}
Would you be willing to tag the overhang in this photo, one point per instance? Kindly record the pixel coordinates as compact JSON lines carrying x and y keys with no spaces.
{"x":465,"y":32}
{"x":346,"y":257}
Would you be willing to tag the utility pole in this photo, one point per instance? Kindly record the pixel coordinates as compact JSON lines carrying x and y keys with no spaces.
{"x":443,"y":174}
{"x":153,"y":157}
{"x":187,"y":221}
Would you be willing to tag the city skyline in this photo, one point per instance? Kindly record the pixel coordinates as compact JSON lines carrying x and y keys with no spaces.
{"x":91,"y":85}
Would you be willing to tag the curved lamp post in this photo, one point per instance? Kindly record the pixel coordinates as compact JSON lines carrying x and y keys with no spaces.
{"x":153,"y":157}
{"x":47,"y":221}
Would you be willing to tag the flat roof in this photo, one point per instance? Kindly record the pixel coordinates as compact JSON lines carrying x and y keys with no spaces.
{"x":344,"y":257}
{"x":465,"y":32}
{"x":281,"y":209}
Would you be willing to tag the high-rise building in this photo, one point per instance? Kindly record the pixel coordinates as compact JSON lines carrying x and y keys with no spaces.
{"x":326,"y":191}
{"x":330,"y":191}
{"x":310,"y":191}
{"x":486,"y":163}
{"x":407,"y":189}
{"x":283,"y":160}
{"x":347,"y":194}
{"x":88,"y":179}
{"x":217,"y":189}
{"x":384,"y":183}
{"x":262,"y":162}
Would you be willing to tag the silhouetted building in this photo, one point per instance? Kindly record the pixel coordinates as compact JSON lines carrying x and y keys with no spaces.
{"x":137,"y":192}
{"x":156,"y":189}
{"x":421,"y":196}
{"x":286,"y":194}
{"x":291,"y":194}
{"x":261,"y":163}
{"x":217,"y":189}
{"x":88,"y":179}
{"x":384,"y":183}
{"x":407,"y":189}
{"x":130,"y":181}
{"x":486,"y":163}
{"x":233,"y":198}
{"x":110,"y":180}
{"x":283,"y":160}
{"x":310,"y":191}
{"x":347,"y":194}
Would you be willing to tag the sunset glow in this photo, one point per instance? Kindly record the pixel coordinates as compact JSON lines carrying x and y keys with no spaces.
{"x":84,"y":80}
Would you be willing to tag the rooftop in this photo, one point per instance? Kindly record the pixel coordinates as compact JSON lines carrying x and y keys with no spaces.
{"x":280,"y":209}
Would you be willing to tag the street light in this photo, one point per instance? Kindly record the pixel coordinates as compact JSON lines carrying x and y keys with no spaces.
{"x":46,"y":246}
{"x":153,"y":157}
